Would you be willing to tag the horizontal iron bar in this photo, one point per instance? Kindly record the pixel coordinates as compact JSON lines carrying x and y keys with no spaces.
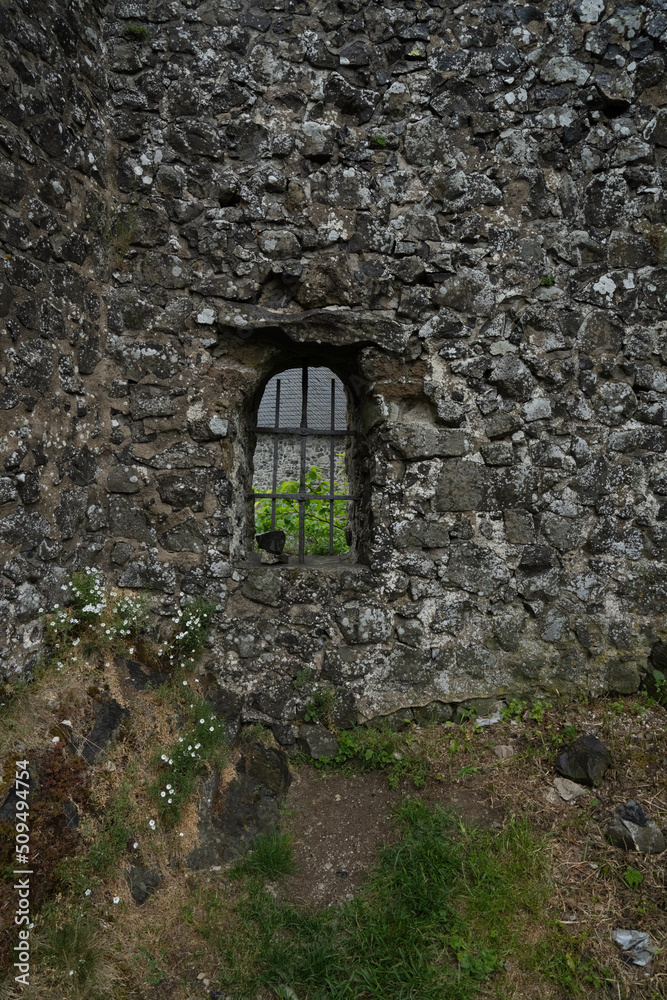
{"x":308,"y":431}
{"x":302,"y":496}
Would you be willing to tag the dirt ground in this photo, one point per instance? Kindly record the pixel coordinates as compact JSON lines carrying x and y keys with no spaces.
{"x":340,"y":822}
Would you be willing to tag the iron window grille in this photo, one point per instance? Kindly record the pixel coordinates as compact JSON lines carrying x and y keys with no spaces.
{"x":303,"y":431}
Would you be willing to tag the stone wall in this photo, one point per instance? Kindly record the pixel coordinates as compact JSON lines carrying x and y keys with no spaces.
{"x":459,"y":209}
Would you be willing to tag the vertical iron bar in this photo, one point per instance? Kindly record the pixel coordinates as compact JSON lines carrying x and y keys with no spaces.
{"x":331,"y":466}
{"x":274,"y":489}
{"x":302,"y":479}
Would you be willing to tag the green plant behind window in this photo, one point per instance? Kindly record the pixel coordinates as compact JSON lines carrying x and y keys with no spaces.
{"x":316,"y":514}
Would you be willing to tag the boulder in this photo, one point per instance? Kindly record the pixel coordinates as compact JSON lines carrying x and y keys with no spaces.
{"x":142,"y":882}
{"x":317,"y":742}
{"x":231,"y":817}
{"x":568,"y":790}
{"x":585,"y":761}
{"x":632,"y":829}
{"x":109,"y":720}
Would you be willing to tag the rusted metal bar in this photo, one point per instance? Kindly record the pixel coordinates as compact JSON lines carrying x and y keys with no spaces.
{"x":331,"y":465}
{"x":275,"y":457}
{"x":302,"y":477}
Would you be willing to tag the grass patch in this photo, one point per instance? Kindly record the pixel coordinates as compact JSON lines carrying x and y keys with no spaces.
{"x":136,"y":32}
{"x":270,"y":857}
{"x":442,"y":911}
{"x":106,"y":846}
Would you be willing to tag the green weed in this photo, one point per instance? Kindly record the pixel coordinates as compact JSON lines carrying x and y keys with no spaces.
{"x":632,"y":878}
{"x":302,"y":678}
{"x":106,"y":849}
{"x":189,"y":638}
{"x":72,"y":945}
{"x":538,"y":710}
{"x":155,"y":974}
{"x":319,"y":708}
{"x":398,"y":755}
{"x":547,"y":280}
{"x":660,"y":686}
{"x":98,"y":620}
{"x":513,"y":711}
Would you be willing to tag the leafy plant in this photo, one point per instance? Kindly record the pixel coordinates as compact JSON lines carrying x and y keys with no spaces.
{"x":547,"y":280}
{"x":188,"y":640}
{"x":318,"y":710}
{"x":538,"y":710}
{"x":632,"y":878}
{"x":73,"y":947}
{"x":98,"y":619}
{"x":467,"y":770}
{"x":513,"y":710}
{"x":302,"y":678}
{"x":363,"y":749}
{"x":106,"y":849}
{"x":101,"y":620}
{"x":316,"y":514}
{"x":155,"y":974}
{"x":379,"y":141}
{"x":660,"y":684}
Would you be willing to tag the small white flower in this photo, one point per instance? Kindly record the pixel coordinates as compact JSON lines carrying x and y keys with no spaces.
{"x":168,"y":800}
{"x":185,"y":683}
{"x":116,"y":899}
{"x":87,"y":892}
{"x":135,"y":845}
{"x":210,"y":729}
{"x":163,"y":794}
{"x":163,"y":756}
{"x":202,"y":721}
{"x":180,"y":835}
{"x":71,"y":972}
{"x":56,"y":739}
{"x":170,"y":761}
{"x":151,"y":823}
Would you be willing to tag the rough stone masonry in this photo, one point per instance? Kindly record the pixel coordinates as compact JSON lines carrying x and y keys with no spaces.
{"x":459,"y":209}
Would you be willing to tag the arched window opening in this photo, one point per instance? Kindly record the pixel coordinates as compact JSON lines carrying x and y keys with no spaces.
{"x":300,"y":481}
